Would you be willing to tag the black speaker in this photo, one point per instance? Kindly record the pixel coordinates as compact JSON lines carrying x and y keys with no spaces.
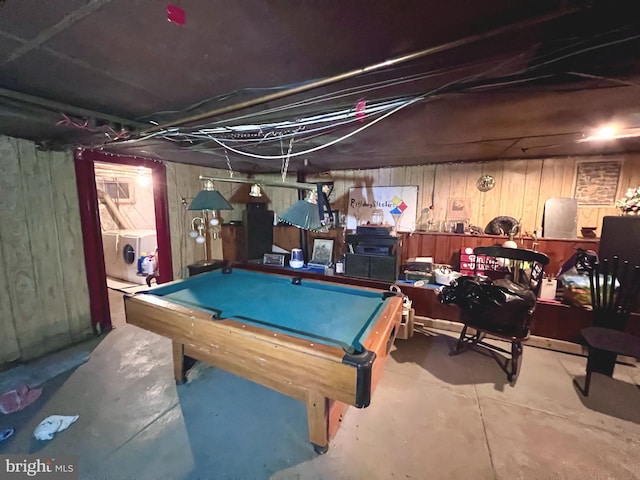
{"x":258,"y":232}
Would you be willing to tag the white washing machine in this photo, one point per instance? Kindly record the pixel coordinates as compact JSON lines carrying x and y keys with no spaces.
{"x":122,"y":248}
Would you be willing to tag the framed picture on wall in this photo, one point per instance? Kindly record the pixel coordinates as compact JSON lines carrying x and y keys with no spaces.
{"x":458,"y":208}
{"x":597,"y":182}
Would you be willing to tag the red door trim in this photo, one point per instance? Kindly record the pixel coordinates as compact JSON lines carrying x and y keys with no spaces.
{"x":92,"y":235}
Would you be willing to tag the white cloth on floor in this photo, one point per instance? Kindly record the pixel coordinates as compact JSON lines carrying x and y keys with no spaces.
{"x":53,"y":424}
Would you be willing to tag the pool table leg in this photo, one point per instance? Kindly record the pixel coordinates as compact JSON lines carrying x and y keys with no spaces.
{"x":179,"y":370}
{"x":324,"y":416}
{"x":318,"y":420}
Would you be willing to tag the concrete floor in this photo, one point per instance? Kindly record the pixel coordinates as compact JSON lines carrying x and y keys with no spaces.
{"x":433,"y":416}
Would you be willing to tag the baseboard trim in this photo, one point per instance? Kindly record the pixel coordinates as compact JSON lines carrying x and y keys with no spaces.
{"x":533,"y":341}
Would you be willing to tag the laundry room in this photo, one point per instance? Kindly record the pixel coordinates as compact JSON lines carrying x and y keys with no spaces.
{"x":127,"y":219}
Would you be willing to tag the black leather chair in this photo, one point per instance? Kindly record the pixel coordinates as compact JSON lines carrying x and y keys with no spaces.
{"x":524,"y":268}
{"x":614,"y":295}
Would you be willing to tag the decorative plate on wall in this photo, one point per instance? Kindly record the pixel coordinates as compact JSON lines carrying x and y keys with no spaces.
{"x":486,"y":183}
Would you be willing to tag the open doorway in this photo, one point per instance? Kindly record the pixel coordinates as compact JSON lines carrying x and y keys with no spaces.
{"x":127,"y":223}
{"x":124,"y":214}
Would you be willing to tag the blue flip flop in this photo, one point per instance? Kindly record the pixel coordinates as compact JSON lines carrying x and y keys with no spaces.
{"x":6,"y":433}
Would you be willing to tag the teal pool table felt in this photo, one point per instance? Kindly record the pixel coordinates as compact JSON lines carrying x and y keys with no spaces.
{"x":334,"y":314}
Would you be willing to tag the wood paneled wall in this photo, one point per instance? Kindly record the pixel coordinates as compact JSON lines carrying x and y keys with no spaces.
{"x":183,"y":185}
{"x":522,"y":187}
{"x":44,"y":300}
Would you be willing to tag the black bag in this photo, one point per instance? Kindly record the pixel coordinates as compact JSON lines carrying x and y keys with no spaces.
{"x":500,"y":302}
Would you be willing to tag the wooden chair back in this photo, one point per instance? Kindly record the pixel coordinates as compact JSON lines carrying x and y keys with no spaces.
{"x":614,"y":292}
{"x":525,"y":267}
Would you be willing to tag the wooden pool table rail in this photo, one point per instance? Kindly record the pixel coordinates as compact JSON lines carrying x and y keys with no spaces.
{"x":311,"y":372}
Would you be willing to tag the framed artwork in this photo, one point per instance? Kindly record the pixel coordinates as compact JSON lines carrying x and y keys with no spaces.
{"x":597,"y":182}
{"x":322,"y":251}
{"x":458,"y":208}
{"x":394,"y":207}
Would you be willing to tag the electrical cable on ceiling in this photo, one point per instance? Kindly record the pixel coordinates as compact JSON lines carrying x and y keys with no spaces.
{"x":320,"y":147}
{"x":373,"y":122}
{"x":338,"y":119}
{"x":344,"y":93}
{"x":460,"y":42}
{"x":609,"y":79}
{"x":359,"y":91}
{"x":536,"y":66}
{"x":205,"y":135}
{"x":226,"y":154}
{"x":382,"y":84}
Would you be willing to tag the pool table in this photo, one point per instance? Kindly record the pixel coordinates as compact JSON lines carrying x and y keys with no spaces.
{"x":322,"y":343}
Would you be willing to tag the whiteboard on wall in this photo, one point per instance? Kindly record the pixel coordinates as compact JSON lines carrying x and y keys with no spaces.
{"x":383,"y":206}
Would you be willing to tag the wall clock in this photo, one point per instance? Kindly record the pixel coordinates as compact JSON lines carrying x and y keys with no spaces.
{"x":486,"y":183}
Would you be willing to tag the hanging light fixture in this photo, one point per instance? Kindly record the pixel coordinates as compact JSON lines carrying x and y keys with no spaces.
{"x":313,"y":213}
{"x":209,"y":199}
{"x":304,"y":213}
{"x":207,"y":226}
{"x":255,"y":191}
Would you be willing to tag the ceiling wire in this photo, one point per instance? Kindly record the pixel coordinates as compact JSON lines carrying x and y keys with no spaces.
{"x":433,"y":73}
{"x":378,"y":66}
{"x":391,"y":82}
{"x":201,"y":135}
{"x":382,"y":84}
{"x":176,"y":131}
{"x":358,"y":91}
{"x":471,"y":77}
{"x":364,"y":127}
{"x":600,"y":77}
